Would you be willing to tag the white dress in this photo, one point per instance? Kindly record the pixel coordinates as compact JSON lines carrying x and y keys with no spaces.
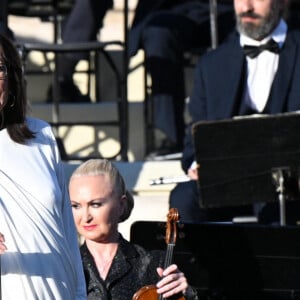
{"x":43,"y":259}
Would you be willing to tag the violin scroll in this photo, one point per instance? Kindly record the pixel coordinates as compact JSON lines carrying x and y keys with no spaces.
{"x":171,"y":231}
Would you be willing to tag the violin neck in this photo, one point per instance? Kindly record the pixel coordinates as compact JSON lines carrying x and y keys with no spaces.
{"x":169,"y":255}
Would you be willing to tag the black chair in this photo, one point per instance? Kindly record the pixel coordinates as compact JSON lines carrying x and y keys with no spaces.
{"x":95,"y":49}
{"x":47,"y":10}
{"x":54,"y":11}
{"x":190,"y":59}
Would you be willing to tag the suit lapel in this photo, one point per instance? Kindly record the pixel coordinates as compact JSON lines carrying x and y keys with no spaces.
{"x":234,"y":72}
{"x":283,"y":77}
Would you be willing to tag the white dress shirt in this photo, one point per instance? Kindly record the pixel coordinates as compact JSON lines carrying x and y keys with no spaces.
{"x":262,"y":69}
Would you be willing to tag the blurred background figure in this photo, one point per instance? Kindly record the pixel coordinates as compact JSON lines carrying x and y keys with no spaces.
{"x":165,"y":30}
{"x":81,"y":25}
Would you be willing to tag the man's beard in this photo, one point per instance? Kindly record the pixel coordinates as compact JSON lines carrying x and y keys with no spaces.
{"x":267,"y":25}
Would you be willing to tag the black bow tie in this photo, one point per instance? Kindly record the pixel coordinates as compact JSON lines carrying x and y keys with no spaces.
{"x":253,"y":51}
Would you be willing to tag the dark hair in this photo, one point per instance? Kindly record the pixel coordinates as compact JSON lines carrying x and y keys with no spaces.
{"x":13,"y":114}
{"x":94,"y":167}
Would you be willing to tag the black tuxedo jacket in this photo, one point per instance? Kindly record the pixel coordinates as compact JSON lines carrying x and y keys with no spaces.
{"x":217,"y":86}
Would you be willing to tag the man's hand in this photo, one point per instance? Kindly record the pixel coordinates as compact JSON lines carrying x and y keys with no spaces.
{"x":193,"y":171}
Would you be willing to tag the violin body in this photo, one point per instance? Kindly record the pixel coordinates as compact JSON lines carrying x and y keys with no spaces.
{"x":148,"y":292}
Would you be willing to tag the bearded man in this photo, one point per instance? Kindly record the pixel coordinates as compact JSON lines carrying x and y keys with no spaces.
{"x":257,"y":71}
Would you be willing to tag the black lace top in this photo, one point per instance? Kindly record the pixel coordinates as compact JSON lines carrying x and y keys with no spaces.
{"x":132,"y":268}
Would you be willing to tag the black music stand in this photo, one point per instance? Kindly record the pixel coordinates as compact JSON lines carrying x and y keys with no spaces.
{"x":247,"y":160}
{"x":231,"y":261}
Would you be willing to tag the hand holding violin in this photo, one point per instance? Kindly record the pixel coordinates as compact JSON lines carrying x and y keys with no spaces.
{"x":173,"y":281}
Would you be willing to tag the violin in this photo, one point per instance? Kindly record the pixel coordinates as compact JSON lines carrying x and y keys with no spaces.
{"x":148,"y":292}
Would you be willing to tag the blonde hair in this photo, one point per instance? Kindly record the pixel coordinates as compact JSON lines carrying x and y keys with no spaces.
{"x":95,"y":167}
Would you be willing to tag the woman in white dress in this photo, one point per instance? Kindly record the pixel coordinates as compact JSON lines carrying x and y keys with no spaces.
{"x":40,"y":257}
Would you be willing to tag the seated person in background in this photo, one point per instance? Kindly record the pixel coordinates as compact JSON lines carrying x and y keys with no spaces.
{"x":115,"y":268}
{"x":231,"y":82}
{"x":82,"y":25}
{"x":165,"y":30}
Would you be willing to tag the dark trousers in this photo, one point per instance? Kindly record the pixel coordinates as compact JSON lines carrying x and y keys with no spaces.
{"x":82,"y":25}
{"x":164,"y":39}
{"x":165,"y":35}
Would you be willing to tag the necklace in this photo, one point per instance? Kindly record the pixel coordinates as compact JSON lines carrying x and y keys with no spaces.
{"x":103,"y":257}
{"x":103,"y":267}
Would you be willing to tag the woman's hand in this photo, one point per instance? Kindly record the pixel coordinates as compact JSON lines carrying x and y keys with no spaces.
{"x":2,"y":244}
{"x":173,"y":281}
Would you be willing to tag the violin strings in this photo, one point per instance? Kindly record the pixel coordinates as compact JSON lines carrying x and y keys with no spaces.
{"x":169,"y":255}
